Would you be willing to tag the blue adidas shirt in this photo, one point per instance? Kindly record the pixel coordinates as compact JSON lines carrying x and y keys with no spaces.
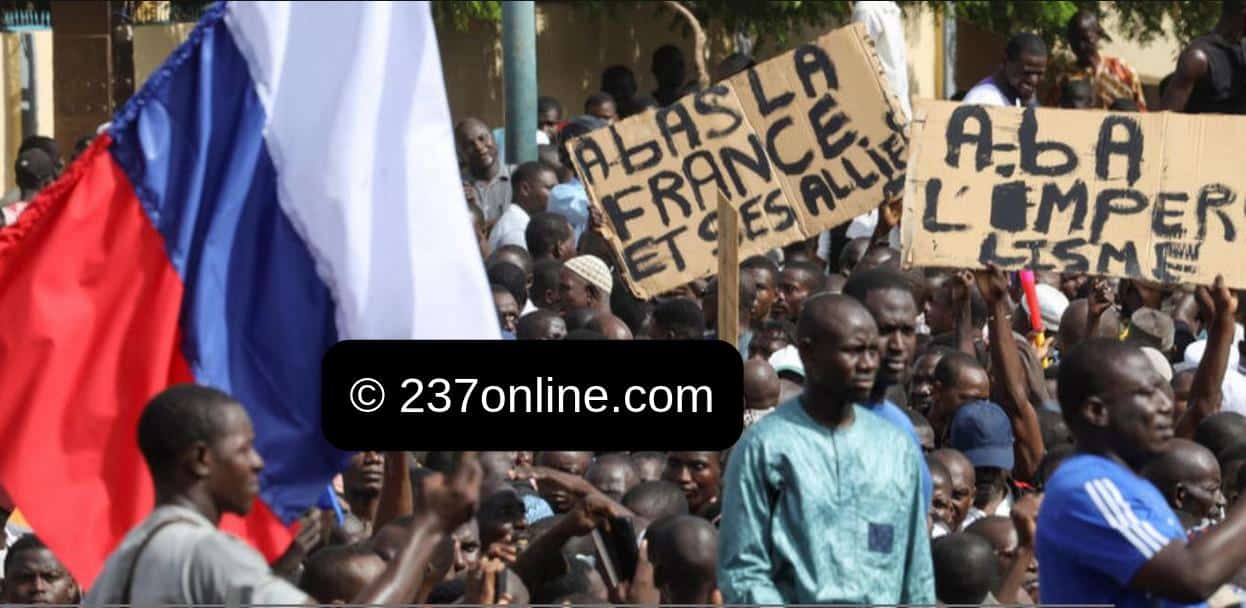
{"x":893,"y":414}
{"x":1098,"y":525}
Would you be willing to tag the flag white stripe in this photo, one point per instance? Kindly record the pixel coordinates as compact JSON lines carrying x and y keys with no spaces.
{"x":360,"y":135}
{"x":1114,"y":519}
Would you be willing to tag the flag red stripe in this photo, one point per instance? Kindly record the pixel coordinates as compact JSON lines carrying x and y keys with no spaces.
{"x":90,"y":306}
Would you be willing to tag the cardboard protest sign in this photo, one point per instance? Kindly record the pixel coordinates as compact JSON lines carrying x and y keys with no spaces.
{"x":1154,"y":196}
{"x":798,"y":144}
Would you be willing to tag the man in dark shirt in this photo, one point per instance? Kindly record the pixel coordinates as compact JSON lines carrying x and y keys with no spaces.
{"x":1211,"y":73}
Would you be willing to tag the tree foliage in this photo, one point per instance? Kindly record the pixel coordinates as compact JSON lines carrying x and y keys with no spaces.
{"x":772,"y":21}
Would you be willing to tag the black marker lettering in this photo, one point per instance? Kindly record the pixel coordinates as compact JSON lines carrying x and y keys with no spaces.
{"x":957,"y":137}
{"x":1104,"y":207}
{"x":1053,"y":198}
{"x":749,"y":214}
{"x":824,"y":127}
{"x":767,"y":105}
{"x":756,"y":163}
{"x":1130,"y":147}
{"x":1212,"y":197}
{"x":702,"y":104}
{"x":1067,"y":251}
{"x":669,"y":238}
{"x":988,"y":254}
{"x":840,"y":192}
{"x":1008,"y":206}
{"x":1127,"y":254}
{"x":930,"y":215}
{"x":636,"y":264}
{"x":618,"y":217}
{"x":772,"y":134}
{"x":1164,"y":264}
{"x":814,"y":189}
{"x":895,"y":148}
{"x":664,"y":187}
{"x":711,"y":175}
{"x":588,"y":155}
{"x":683,"y":124}
{"x":1158,"y":224}
{"x":1031,"y":149}
{"x":862,"y":182}
{"x":650,"y":148}
{"x":1035,"y":247}
{"x":809,"y":60}
{"x":774,"y":208}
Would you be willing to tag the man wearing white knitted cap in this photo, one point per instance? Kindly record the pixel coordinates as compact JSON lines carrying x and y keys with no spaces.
{"x":584,"y":282}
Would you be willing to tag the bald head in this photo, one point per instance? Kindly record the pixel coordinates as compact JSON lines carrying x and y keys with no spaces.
{"x":761,"y":385}
{"x":878,"y":256}
{"x":997,"y":530}
{"x":613,"y":474}
{"x":1221,"y":430}
{"x":684,"y":550}
{"x":1185,"y":474}
{"x":610,"y":326}
{"x":838,"y":343}
{"x":965,"y":568}
{"x":541,"y":325}
{"x":338,"y":574}
{"x":1073,"y":324}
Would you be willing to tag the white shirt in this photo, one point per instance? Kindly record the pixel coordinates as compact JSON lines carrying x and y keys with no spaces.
{"x":189,"y":562}
{"x":510,"y":228}
{"x":987,"y":93}
{"x":886,"y":27}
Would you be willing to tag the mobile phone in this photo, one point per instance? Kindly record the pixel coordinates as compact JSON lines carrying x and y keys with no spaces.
{"x":621,"y":541}
{"x":617,"y":551}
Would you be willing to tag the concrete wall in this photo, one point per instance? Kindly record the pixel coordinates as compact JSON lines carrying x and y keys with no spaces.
{"x":11,"y":97}
{"x":575,"y":42}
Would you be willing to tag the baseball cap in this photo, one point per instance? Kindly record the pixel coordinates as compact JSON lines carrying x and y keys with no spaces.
{"x":33,"y":168}
{"x":982,"y":431}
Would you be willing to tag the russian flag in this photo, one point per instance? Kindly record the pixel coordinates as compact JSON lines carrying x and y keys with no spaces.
{"x":286,"y":180}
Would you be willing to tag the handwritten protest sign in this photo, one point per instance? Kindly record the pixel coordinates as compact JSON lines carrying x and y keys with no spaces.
{"x":1154,"y":196}
{"x":798,"y":144}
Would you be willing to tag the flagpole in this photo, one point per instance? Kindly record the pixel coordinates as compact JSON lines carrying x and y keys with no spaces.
{"x":519,"y":79}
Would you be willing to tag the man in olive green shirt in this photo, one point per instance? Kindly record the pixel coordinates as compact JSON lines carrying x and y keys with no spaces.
{"x":814,"y":510}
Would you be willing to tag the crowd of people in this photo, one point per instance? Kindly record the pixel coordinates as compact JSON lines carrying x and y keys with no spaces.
{"x":910,"y":437}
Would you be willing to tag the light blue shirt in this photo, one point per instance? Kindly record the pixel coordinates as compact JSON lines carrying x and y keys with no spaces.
{"x":819,"y":515}
{"x":570,"y":200}
{"x":893,"y":414}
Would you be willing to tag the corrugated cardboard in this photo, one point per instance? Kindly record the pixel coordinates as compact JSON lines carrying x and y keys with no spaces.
{"x":1163,"y":192}
{"x":757,"y":141}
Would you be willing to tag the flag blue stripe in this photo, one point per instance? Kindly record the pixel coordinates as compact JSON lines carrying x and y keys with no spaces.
{"x":256,"y":317}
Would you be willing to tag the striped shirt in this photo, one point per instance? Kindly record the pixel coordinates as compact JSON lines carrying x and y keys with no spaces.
{"x":1099,"y":524}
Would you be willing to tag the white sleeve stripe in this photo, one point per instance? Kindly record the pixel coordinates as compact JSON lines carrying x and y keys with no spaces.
{"x":1115,"y":520}
{"x":1113,"y":496}
{"x":1145,"y":526}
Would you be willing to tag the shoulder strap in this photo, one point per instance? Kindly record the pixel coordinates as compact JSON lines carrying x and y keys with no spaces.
{"x":129,"y":577}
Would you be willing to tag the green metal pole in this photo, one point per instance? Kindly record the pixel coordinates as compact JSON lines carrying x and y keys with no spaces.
{"x":519,"y":77}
